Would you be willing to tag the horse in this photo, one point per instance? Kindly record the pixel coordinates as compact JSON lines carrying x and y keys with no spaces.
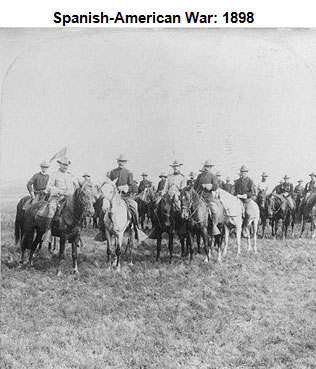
{"x":166,"y":218}
{"x":195,"y":212}
{"x":230,"y":215}
{"x":278,"y":209}
{"x":251,"y":220}
{"x":117,"y":220}
{"x":66,"y":224}
{"x":19,"y":218}
{"x":306,"y":211}
{"x":261,"y":201}
{"x":145,"y":202}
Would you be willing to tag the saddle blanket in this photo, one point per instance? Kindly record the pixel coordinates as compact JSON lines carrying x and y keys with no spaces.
{"x":232,"y":205}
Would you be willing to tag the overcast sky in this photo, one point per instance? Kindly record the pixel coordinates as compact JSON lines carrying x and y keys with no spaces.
{"x":232,"y":96}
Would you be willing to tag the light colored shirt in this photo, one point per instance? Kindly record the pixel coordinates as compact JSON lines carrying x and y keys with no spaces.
{"x":62,"y":183}
{"x":173,"y":182}
{"x":264,"y":186}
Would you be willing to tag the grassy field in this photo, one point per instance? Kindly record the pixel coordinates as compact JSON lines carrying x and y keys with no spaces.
{"x":258,"y":311}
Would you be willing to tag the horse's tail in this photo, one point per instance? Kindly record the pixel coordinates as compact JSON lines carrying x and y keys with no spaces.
{"x":17,"y":227}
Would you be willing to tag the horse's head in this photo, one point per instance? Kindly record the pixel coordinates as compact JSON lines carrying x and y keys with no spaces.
{"x":109,"y":189}
{"x":186,"y":202}
{"x":261,"y":199}
{"x":272,"y":205}
{"x":85,"y":198}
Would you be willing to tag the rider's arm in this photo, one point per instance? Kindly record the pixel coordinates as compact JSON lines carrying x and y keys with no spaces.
{"x":29,"y":186}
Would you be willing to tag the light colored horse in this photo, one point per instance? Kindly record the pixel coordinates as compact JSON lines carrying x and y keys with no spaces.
{"x":117,"y":221}
{"x":230,"y":216}
{"x":251,"y":219}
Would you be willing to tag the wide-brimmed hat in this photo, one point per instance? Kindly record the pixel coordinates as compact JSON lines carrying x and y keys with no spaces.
{"x":286,"y":177}
{"x":264,"y":174}
{"x":243,"y":168}
{"x":218,"y":174}
{"x":176,"y":163}
{"x":300,"y":180}
{"x":202,"y":170}
{"x":86,"y":175}
{"x":163,"y":174}
{"x":144,"y":174}
{"x":312,"y":174}
{"x":122,"y":157}
{"x":64,"y":160}
{"x":208,"y":163}
{"x":44,"y":164}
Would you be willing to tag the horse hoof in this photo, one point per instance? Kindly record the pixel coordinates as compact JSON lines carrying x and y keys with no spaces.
{"x":59,"y":273}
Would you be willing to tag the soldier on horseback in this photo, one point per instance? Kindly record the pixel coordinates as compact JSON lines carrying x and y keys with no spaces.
{"x":228,"y":186}
{"x":144,"y":183}
{"x":244,"y":187}
{"x":286,"y":190}
{"x":60,"y":184}
{"x":311,"y":185}
{"x":38,"y":183}
{"x":263,"y":185}
{"x":125,"y":185}
{"x":205,"y":184}
{"x":176,"y":181}
{"x":161,"y":183}
{"x":221,"y":183}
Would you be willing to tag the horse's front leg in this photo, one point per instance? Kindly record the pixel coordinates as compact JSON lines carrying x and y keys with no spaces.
{"x":118,"y":250}
{"x":62,"y":244}
{"x":263,"y":226}
{"x":75,"y":254}
{"x":205,"y":238}
{"x":303,"y":227}
{"x":238,"y":238}
{"x":158,"y":246}
{"x":190,"y":239}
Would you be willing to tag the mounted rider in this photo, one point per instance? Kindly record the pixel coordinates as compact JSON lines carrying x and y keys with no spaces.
{"x":161,"y":184}
{"x":60,"y":184}
{"x":311,"y":185}
{"x":37,"y":184}
{"x":125,"y":184}
{"x":286,"y":190}
{"x":228,"y":186}
{"x":87,"y":179}
{"x":263,"y":186}
{"x":244,"y":187}
{"x":205,"y":184}
{"x":278,"y":188}
{"x":175,"y":182}
{"x":144,"y":183}
{"x":221,"y":183}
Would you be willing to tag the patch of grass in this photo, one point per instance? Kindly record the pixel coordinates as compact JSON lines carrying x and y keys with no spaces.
{"x":257,"y":311}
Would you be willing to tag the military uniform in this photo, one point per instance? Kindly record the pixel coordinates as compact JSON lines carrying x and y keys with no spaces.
{"x":299,"y":190}
{"x":244,"y":186}
{"x":206,"y":178}
{"x":143,"y":185}
{"x":278,"y":189}
{"x":161,"y":184}
{"x":178,"y":180}
{"x":310,"y":187}
{"x":221,"y":184}
{"x":60,"y":184}
{"x":263,"y":187}
{"x":286,"y":189}
{"x":125,"y":178}
{"x":229,"y":187}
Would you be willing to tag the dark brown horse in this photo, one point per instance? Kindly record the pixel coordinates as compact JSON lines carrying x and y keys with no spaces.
{"x":261,"y":201}
{"x":145,"y":201}
{"x":195,"y":212}
{"x":306,"y":212}
{"x":66,"y":224}
{"x":19,"y":218}
{"x":166,"y":218}
{"x":278,"y":209}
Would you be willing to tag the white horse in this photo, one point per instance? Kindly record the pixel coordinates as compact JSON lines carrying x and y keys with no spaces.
{"x":117,"y":221}
{"x":251,"y":219}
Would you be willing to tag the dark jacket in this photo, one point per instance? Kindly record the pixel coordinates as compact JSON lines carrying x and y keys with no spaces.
{"x":37,"y":183}
{"x":244,"y":186}
{"x":286,"y":187}
{"x":143,"y":184}
{"x":310,"y":187}
{"x":299,"y":190}
{"x":161,"y":184}
{"x":229,"y":187}
{"x":125,"y":177}
{"x":206,"y":178}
